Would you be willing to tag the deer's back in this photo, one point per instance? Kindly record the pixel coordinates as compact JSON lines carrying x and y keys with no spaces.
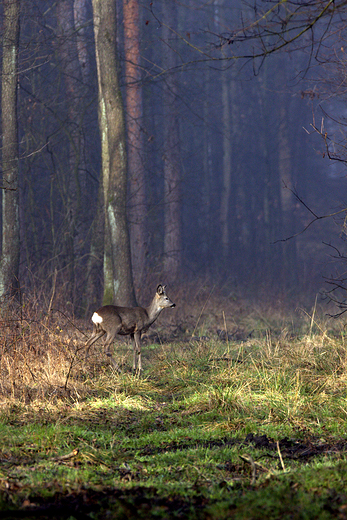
{"x":126,"y":319}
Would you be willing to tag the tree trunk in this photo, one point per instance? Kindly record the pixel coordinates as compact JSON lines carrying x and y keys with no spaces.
{"x":118,"y":283}
{"x":226,"y":179}
{"x":172,"y":162}
{"x":289,"y":265}
{"x":9,"y":271}
{"x":93,"y":291}
{"x":207,"y":180}
{"x":81,"y":21}
{"x":270,"y":254}
{"x":75,"y":176}
{"x":137,"y":205}
{"x":229,"y":115}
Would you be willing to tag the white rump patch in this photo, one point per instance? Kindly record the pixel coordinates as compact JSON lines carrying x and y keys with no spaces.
{"x":96,"y":318}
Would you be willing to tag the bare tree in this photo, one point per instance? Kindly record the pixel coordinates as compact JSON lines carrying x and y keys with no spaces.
{"x":137,"y":195}
{"x":172,"y":165}
{"x":81,"y":22}
{"x":118,"y":282}
{"x":74,"y":186}
{"x":9,"y":270}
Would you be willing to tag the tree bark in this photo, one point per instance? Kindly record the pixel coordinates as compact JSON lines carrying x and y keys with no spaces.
{"x":9,"y":271}
{"x":75,"y":182}
{"x":172,"y":162}
{"x":229,"y":124}
{"x":137,"y":204}
{"x":269,"y":256}
{"x":285,"y":169}
{"x":81,"y":21}
{"x":118,"y":282}
{"x":207,"y":179}
{"x":227,"y":173}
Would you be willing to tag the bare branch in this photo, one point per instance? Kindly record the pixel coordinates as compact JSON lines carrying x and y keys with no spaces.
{"x":316,"y":217}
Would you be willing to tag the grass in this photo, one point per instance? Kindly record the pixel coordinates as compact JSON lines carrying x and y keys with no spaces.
{"x":214,"y":429}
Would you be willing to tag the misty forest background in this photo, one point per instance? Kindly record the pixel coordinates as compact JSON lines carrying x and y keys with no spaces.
{"x":217,"y":141}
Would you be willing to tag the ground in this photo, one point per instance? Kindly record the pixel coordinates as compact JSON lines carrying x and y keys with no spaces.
{"x":240,"y":413}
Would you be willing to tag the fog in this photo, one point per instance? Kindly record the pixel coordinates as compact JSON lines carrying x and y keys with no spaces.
{"x":256,"y":146}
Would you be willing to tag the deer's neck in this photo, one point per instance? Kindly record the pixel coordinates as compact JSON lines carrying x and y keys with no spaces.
{"x":153,"y":311}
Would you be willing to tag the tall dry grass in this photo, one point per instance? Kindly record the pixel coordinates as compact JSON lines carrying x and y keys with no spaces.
{"x":246,"y":344}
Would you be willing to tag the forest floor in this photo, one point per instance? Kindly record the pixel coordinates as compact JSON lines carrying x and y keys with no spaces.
{"x":240,"y":413}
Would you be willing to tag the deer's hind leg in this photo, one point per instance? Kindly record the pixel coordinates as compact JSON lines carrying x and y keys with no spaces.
{"x":110,"y":336}
{"x":97,"y":333}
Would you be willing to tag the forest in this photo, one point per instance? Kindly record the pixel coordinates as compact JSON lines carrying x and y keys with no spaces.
{"x":194,"y":152}
{"x":232,"y":148}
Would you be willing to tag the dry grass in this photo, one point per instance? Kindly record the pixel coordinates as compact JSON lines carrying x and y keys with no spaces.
{"x":41,"y":357}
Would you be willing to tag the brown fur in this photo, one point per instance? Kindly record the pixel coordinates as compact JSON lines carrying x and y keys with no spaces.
{"x":127,"y":321}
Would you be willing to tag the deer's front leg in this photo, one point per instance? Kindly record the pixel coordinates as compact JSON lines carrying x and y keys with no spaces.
{"x":136,"y":339}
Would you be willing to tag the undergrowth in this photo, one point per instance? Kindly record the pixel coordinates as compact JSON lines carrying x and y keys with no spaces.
{"x":240,"y":416}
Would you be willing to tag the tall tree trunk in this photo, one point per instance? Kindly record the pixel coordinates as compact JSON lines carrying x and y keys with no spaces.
{"x":226,"y":179}
{"x":93,"y":291}
{"x":172,"y":162}
{"x":207,"y":179}
{"x":137,"y":205}
{"x":9,"y":271}
{"x":93,"y":279}
{"x":81,"y":21}
{"x":75,"y":181}
{"x":118,"y":283}
{"x":270,"y":254}
{"x":229,"y":102}
{"x":289,"y":265}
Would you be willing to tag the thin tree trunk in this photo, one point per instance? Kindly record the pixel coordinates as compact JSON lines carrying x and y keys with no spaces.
{"x":9,"y":271}
{"x":289,"y":265}
{"x":270,"y":256}
{"x":93,"y":292}
{"x":81,"y":21}
{"x":226,"y":180}
{"x":172,"y":163}
{"x":118,"y":283}
{"x":207,"y":177}
{"x":228,"y":127}
{"x":75,"y":182}
{"x":137,"y":205}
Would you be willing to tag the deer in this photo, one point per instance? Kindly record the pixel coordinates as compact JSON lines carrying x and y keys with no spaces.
{"x":112,"y":320}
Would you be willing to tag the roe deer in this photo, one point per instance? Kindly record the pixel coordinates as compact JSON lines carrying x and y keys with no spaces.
{"x":112,"y":320}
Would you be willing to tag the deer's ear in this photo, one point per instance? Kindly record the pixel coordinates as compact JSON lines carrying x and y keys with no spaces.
{"x":160,"y":289}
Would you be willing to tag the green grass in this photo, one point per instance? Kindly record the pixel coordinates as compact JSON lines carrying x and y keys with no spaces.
{"x":212,"y":430}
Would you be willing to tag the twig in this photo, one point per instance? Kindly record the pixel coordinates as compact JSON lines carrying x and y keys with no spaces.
{"x":202,"y":310}
{"x":313,"y":314}
{"x":71,"y":365}
{"x":70,"y":321}
{"x":53,"y":292}
{"x":280,"y":455}
{"x":316,"y":217}
{"x":70,"y":455}
{"x":226,"y":333}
